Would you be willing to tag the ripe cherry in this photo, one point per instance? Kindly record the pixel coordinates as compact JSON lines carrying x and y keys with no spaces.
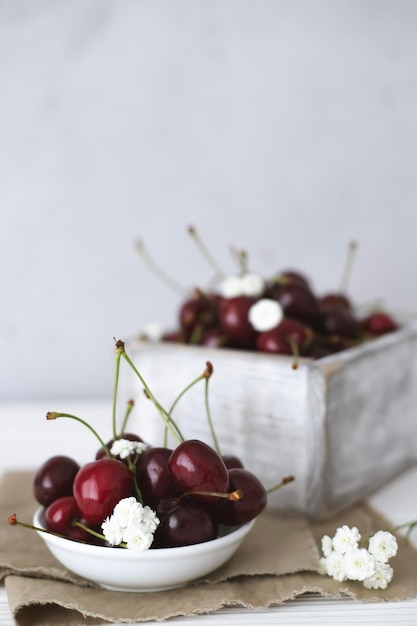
{"x":185,"y":524}
{"x":59,"y":518}
{"x":195,"y":466}
{"x":98,"y":487}
{"x":332,"y":301}
{"x":297,"y":302}
{"x":54,"y":479}
{"x":252,"y":503}
{"x":153,"y":476}
{"x":340,"y":322}
{"x":231,"y":460}
{"x":234,"y":321}
{"x":379,"y":323}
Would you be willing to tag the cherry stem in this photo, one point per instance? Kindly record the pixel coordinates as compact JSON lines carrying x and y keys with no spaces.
{"x":116,"y":384}
{"x":284,"y":481}
{"x":347,"y":271}
{"x":208,"y":412}
{"x":130,"y":405}
{"x":241,"y":258}
{"x":52,"y":415}
{"x":13,"y":521}
{"x":156,"y":269}
{"x":232,"y":496}
{"x":295,"y":351}
{"x":169,"y":423}
{"x":205,"y":252}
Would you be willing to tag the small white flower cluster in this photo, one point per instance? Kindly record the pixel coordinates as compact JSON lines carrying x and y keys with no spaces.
{"x":153,"y":331}
{"x":265,"y":314}
{"x":250,"y":284}
{"x":124,"y":448}
{"x":343,"y":559}
{"x":131,"y":523}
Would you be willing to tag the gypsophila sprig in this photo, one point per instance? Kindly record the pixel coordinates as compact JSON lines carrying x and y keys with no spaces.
{"x":131,"y":525}
{"x":265,"y":314}
{"x":124,"y":448}
{"x":344,"y":559}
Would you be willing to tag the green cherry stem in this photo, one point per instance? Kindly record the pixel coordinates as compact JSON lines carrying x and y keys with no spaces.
{"x":347,"y":270}
{"x":284,"y":481}
{"x":207,"y":376}
{"x":120,"y":347}
{"x":205,"y":252}
{"x":115,"y":388}
{"x":13,"y":521}
{"x":156,"y":269}
{"x":52,"y":415}
{"x":130,"y":405}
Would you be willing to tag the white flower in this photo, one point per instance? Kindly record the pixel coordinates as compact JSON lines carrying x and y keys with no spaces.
{"x":231,"y":287}
{"x":252,"y":284}
{"x":335,"y":566}
{"x":126,"y":511}
{"x":326,"y":545}
{"x":153,"y":331}
{"x":383,"y":545}
{"x":124,"y":448}
{"x":265,"y":314}
{"x":112,"y":531}
{"x":322,"y":568}
{"x":131,"y":523}
{"x":381,"y":578}
{"x":358,"y":564}
{"x":346,"y":539}
{"x":138,"y":538}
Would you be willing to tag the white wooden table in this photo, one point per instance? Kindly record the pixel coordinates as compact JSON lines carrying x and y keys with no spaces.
{"x":27,"y":439}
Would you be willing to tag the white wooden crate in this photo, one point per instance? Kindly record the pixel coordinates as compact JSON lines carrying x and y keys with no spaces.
{"x":343,"y":425}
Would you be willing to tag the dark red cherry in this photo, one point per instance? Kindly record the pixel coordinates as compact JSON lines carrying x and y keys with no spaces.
{"x":288,"y":337}
{"x":249,"y":506}
{"x":332,"y":301}
{"x":234,"y":321}
{"x":298,"y":302}
{"x":54,"y":479}
{"x":200,"y":311}
{"x":185,"y":524}
{"x":59,"y":518}
{"x":379,"y":323}
{"x":153,"y":477}
{"x":215,"y":337}
{"x":99,"y":486}
{"x":291,"y":276}
{"x":195,"y":466}
{"x":340,"y":322}
{"x":231,"y":460}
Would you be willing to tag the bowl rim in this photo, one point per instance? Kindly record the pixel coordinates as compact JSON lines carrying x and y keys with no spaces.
{"x":156,"y":554}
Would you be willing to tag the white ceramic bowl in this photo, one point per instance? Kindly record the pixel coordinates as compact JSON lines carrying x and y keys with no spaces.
{"x":120,"y":569}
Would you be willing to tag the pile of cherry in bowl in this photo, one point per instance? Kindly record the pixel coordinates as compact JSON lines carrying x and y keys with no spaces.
{"x":196,"y":492}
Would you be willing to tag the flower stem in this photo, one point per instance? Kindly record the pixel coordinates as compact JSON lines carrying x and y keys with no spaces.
{"x":52,"y":415}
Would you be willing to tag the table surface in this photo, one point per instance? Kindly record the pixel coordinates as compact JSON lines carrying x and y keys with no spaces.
{"x":26,"y":424}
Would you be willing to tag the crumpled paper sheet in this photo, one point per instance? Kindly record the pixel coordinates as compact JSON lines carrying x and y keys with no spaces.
{"x":277,"y":561}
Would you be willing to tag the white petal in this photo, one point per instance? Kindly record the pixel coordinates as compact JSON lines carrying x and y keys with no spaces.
{"x":265,"y":314}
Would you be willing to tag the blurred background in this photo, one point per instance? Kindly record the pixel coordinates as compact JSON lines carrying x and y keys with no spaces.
{"x":283,"y":127}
